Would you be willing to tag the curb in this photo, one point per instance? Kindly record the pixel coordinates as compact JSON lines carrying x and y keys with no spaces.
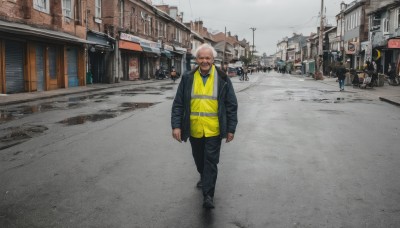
{"x":389,"y":101}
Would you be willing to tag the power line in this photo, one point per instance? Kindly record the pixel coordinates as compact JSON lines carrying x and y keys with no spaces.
{"x":191,"y":11}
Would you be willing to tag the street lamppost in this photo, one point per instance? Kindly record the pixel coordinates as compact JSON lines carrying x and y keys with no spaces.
{"x":320,"y":73}
{"x":252,"y":51}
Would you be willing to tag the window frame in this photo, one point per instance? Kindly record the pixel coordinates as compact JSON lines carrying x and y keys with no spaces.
{"x":42,"y":5}
{"x":97,"y":6}
{"x":133,"y":25}
{"x":385,"y":26}
{"x":121,"y":13}
{"x":64,"y":8}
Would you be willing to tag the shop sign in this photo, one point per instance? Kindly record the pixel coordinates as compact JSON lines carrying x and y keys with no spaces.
{"x":394,"y":43}
{"x":142,"y":42}
{"x":351,"y":48}
{"x":129,"y":37}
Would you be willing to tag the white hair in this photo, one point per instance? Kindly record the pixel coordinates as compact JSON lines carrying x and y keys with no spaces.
{"x":205,"y":46}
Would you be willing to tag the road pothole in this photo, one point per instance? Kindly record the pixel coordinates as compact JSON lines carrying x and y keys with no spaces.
{"x":105,"y":114}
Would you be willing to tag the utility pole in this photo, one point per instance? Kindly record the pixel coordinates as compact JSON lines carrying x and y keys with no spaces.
{"x":252,"y":51}
{"x":223,"y":57}
{"x":320,"y":47}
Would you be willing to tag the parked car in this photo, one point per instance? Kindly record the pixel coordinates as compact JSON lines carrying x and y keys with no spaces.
{"x":232,"y":72}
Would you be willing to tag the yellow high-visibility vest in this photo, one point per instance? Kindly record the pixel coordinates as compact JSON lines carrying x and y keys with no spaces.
{"x":204,"y":106}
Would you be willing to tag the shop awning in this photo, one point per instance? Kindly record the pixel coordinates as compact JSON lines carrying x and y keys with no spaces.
{"x":180,"y":50}
{"x":129,"y":46}
{"x":151,"y":50}
{"x":167,"y":53}
{"x":103,"y":42}
{"x":22,"y":29}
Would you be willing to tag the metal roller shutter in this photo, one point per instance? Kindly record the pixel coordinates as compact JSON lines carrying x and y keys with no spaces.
{"x":52,"y":63}
{"x":14,"y":67}
{"x":40,"y":67}
{"x":72,"y":62}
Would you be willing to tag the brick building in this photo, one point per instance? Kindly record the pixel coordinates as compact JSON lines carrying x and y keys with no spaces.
{"x":42,"y":47}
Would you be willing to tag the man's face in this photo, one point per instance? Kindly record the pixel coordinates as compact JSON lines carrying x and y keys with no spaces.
{"x":205,"y":59}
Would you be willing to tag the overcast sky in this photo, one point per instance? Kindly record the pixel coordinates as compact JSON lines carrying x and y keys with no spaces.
{"x":273,"y":19}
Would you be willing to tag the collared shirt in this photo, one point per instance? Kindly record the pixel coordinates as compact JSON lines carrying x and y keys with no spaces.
{"x":205,"y":76}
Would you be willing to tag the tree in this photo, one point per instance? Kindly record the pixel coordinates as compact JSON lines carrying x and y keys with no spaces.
{"x":245,"y":60}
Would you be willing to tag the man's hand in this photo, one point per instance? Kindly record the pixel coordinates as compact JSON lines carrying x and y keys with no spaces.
{"x":229,"y":137}
{"x":176,"y":134}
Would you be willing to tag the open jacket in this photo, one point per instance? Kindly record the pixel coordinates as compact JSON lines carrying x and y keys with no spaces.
{"x":227,"y":105}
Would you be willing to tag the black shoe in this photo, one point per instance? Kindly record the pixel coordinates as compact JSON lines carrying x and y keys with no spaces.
{"x":199,"y":184}
{"x":208,"y":202}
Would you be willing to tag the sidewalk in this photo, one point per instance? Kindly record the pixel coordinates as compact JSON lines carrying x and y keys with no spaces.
{"x":387,"y":93}
{"x":9,"y":99}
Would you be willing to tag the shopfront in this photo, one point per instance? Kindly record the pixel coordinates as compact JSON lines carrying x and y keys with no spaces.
{"x":179,"y":60}
{"x":130,"y":58}
{"x":150,"y":60}
{"x":36,"y":59}
{"x":353,"y":59}
{"x":165,"y":58}
{"x":143,"y":60}
{"x":394,"y":46}
{"x":100,"y":55}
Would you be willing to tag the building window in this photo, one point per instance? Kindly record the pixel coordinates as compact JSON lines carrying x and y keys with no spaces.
{"x":158,"y":34}
{"x":97,"y":12}
{"x":357,"y":18}
{"x":133,"y":20}
{"x":121,"y":13}
{"x":385,"y":26}
{"x":375,"y":23}
{"x":150,"y":26}
{"x":397,"y":18}
{"x":67,"y":8}
{"x":78,"y":12}
{"x":42,"y":5}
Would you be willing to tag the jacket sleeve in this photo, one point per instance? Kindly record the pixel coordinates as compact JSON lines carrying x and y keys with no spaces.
{"x":177,"y":111}
{"x":231,"y":105}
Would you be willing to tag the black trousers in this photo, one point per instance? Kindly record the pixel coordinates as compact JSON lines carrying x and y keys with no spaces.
{"x":206,"y":152}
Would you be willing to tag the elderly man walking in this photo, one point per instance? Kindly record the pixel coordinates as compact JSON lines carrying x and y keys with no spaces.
{"x":205,"y":111}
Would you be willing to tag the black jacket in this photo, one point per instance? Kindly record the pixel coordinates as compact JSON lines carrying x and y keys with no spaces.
{"x":341,"y":72}
{"x":227,"y":105}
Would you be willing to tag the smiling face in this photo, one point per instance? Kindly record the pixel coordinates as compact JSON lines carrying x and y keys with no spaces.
{"x":205,"y":59}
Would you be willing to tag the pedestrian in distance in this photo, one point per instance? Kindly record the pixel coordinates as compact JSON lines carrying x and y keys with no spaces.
{"x":205,"y":112}
{"x":341,"y":74}
{"x":245,"y":76}
{"x":173,"y":73}
{"x":392,"y":74}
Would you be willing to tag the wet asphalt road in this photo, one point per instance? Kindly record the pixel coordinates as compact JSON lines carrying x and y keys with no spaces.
{"x":304,"y":155}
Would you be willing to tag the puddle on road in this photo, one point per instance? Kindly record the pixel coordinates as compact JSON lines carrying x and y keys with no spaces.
{"x":81,"y":119}
{"x":348,"y":97}
{"x":331,"y":111}
{"x":24,"y":110}
{"x":146,"y":90}
{"x":16,"y":135}
{"x":13,"y":113}
{"x":105,"y":114}
{"x":133,"y":105}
